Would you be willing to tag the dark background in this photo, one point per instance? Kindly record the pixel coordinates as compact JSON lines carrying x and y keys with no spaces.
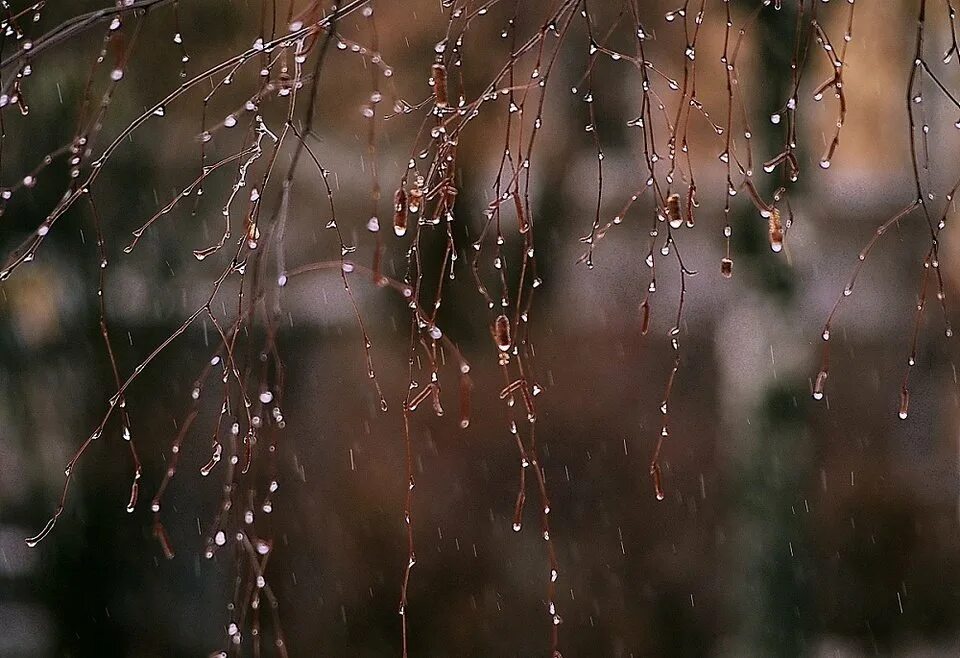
{"x":789,"y":527}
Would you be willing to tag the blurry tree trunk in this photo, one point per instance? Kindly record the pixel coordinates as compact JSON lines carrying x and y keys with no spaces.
{"x":762,"y":353}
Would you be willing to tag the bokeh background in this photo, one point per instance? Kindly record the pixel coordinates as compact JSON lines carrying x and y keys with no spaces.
{"x":789,"y":527}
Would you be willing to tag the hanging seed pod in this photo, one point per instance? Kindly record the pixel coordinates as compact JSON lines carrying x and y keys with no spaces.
{"x":439,"y":80}
{"x":253,"y":234}
{"x":415,"y":199}
{"x":726,"y":267}
{"x":501,"y":333}
{"x":776,"y":231}
{"x":673,"y":211}
{"x":437,"y":407}
{"x":691,"y":204}
{"x":400,"y":212}
{"x":818,"y":384}
{"x":904,"y":403}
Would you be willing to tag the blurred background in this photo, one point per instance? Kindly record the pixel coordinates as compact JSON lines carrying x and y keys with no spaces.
{"x":788,"y":527}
